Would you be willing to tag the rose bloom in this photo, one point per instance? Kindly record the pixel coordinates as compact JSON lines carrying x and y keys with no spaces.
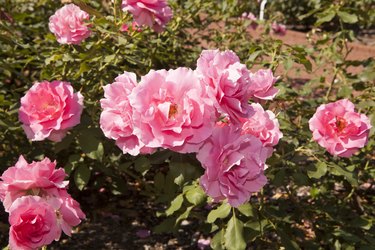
{"x":278,"y":29}
{"x":338,"y":128}
{"x":261,"y":85}
{"x":251,"y":17}
{"x":69,"y":211}
{"x":68,"y":24}
{"x":38,"y":178}
{"x":49,"y":110}
{"x":116,"y":119}
{"x":153,"y":13}
{"x":263,"y":125}
{"x":172,"y":110}
{"x":233,"y":164}
{"x":33,"y":223}
{"x":228,"y":81}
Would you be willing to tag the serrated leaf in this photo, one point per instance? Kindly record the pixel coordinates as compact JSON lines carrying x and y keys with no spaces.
{"x":246,"y":209}
{"x":159,"y":181}
{"x":175,"y":205}
{"x":287,"y":241}
{"x":233,"y":236}
{"x":184,"y":215}
{"x":347,"y":17}
{"x":325,"y":16}
{"x":349,"y":176}
{"x":64,"y":143}
{"x":142,"y":165}
{"x":219,"y":213}
{"x":82,"y":176}
{"x":98,"y":153}
{"x":217,"y":242}
{"x":317,"y":171}
{"x":196,"y":195}
{"x":109,"y":58}
{"x":166,"y":226}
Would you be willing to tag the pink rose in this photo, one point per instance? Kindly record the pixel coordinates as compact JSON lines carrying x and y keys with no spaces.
{"x":153,"y":13}
{"x":278,"y":29}
{"x":261,"y":85}
{"x":227,"y":80}
{"x":251,"y":17}
{"x":263,"y":125}
{"x":49,"y":110}
{"x":171,"y":110}
{"x":339,"y":129}
{"x":116,"y":120}
{"x":33,"y":223}
{"x":68,"y":24}
{"x":69,"y":212}
{"x":37,"y":178}
{"x":234,"y":165}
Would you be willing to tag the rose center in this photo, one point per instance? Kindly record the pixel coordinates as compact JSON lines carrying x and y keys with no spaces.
{"x":340,"y":123}
{"x":172,"y":111}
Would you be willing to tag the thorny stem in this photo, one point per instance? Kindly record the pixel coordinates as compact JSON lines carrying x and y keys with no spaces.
{"x":347,"y":51}
{"x":331,"y":84}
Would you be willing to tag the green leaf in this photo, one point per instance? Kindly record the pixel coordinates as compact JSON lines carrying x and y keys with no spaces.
{"x":98,"y":153}
{"x":159,"y":181}
{"x":344,"y":91}
{"x":347,"y":17}
{"x":317,"y":171}
{"x":175,"y":205}
{"x":196,"y":195}
{"x":219,"y":213}
{"x":349,"y":176}
{"x":72,"y":163}
{"x":82,"y":176}
{"x":325,"y":16}
{"x":64,"y":144}
{"x":301,"y":17}
{"x":166,"y":226}
{"x":233,"y":236}
{"x":109,"y":58}
{"x":361,"y":222}
{"x":142,"y":165}
{"x":184,"y":215}
{"x":183,"y":169}
{"x":217,"y":242}
{"x":89,"y":143}
{"x":286,"y":240}
{"x":246,"y":209}
{"x":254,"y":56}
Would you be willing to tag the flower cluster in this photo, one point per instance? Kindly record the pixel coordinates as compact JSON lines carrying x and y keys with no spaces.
{"x":180,"y":110}
{"x":71,"y":25}
{"x":39,"y":206}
